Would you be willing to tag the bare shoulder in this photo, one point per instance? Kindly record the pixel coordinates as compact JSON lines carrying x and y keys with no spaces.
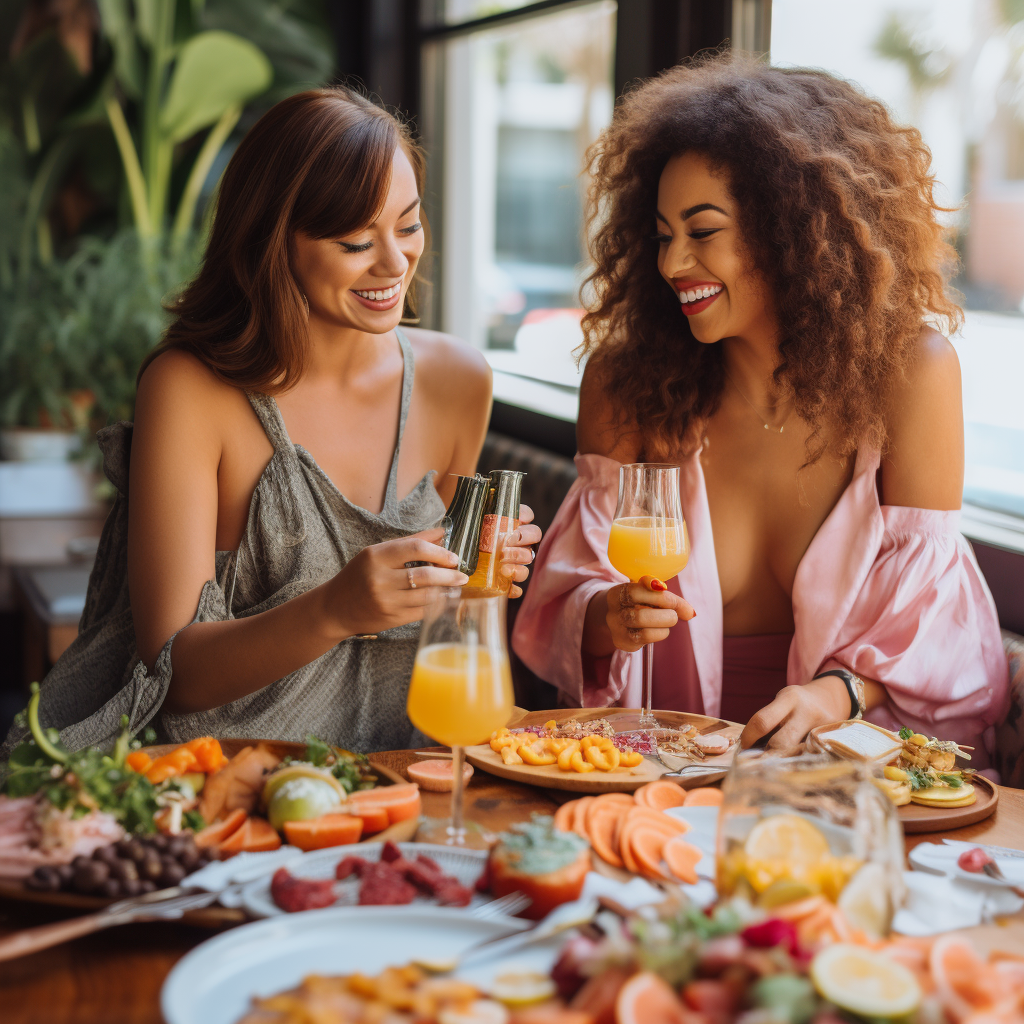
{"x":450,"y":366}
{"x":601,"y":428}
{"x":925,"y":424}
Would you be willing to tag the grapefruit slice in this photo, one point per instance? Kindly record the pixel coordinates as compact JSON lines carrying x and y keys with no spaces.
{"x":563,"y":816}
{"x":703,"y":796}
{"x":681,"y":858}
{"x":660,"y":795}
{"x":961,"y":977}
{"x":437,"y":776}
{"x":646,"y":999}
{"x":602,"y":836}
{"x":579,"y":816}
{"x":646,"y":845}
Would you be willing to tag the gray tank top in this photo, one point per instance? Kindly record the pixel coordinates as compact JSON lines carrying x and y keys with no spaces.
{"x":301,"y":531}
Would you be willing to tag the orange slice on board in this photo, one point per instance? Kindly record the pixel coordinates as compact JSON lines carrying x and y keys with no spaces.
{"x":681,"y":858}
{"x":647,"y":999}
{"x":646,"y":845}
{"x":703,"y":796}
{"x":660,"y":795}
{"x":579,"y":816}
{"x":564,"y":816}
{"x":602,"y":837}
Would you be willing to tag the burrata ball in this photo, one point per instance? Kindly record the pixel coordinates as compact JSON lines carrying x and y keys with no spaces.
{"x":301,"y":799}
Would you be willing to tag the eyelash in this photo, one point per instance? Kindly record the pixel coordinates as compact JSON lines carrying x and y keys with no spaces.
{"x":350,"y":247}
{"x":699,"y":235}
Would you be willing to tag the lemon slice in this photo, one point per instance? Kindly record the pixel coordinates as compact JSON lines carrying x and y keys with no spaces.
{"x":895,"y":774}
{"x":898,"y":792}
{"x":785,"y":890}
{"x":436,"y":965}
{"x":865,"y":900}
{"x":864,"y":982}
{"x":788,"y":838}
{"x":522,"y":989}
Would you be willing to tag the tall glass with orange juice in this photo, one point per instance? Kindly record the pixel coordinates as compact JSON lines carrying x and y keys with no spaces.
{"x":648,"y":538}
{"x":461,"y":691}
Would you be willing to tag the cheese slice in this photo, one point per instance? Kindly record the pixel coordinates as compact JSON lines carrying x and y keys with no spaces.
{"x":940,"y":796}
{"x":861,"y":741}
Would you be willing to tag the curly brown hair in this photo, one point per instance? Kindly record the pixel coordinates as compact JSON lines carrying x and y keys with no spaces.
{"x":837,"y":208}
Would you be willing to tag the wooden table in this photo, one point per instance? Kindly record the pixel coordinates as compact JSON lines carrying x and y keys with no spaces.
{"x":114,"y":977}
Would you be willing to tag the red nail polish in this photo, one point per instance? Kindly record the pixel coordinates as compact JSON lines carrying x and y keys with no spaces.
{"x":656,"y":584}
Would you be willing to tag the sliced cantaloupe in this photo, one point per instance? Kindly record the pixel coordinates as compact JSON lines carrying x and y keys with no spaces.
{"x":646,"y":845}
{"x":703,"y":796}
{"x":327,"y":830}
{"x":218,"y":831}
{"x":262,"y":836}
{"x":400,"y":801}
{"x":681,"y":858}
{"x":660,"y":795}
{"x":602,"y":836}
{"x":563,"y":816}
{"x":579,"y":816}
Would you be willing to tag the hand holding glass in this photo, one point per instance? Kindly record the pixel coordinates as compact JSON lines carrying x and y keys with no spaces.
{"x":461,"y":688}
{"x":648,"y":538}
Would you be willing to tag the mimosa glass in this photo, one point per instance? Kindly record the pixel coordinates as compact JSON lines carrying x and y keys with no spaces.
{"x":648,"y":538}
{"x":461,"y":691}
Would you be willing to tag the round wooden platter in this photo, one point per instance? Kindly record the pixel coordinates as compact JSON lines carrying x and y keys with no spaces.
{"x":213,"y":917}
{"x":918,"y":818}
{"x":622,"y":780}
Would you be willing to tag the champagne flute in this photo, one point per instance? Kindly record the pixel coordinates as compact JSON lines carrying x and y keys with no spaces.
{"x":648,"y":538}
{"x":461,"y":691}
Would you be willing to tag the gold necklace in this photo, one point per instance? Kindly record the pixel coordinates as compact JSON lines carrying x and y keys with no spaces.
{"x":754,"y":407}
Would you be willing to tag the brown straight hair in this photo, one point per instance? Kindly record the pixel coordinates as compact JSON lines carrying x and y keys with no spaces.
{"x":318,"y":162}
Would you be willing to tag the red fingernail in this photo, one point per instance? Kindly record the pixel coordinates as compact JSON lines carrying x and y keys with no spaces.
{"x":656,"y":584}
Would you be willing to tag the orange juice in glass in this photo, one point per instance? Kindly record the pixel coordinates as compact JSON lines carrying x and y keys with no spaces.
{"x":460,"y":692}
{"x":645,"y":546}
{"x":648,"y":538}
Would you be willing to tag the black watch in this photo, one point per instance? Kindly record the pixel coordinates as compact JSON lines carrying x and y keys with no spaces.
{"x":854,"y":687}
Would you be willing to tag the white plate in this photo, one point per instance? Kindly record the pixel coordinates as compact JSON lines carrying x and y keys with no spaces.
{"x":703,"y":834}
{"x":465,"y":865}
{"x":215,"y":982}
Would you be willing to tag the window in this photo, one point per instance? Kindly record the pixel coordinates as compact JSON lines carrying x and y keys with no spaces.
{"x":508,"y":114}
{"x":955,"y":70}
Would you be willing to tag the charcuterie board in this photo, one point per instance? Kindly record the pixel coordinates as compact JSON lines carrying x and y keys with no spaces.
{"x":622,"y":780}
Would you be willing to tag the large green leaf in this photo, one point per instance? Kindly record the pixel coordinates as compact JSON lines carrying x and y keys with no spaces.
{"x":214,"y":70}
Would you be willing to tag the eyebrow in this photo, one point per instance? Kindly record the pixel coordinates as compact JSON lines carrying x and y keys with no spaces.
{"x":411,"y":206}
{"x":692,"y":211}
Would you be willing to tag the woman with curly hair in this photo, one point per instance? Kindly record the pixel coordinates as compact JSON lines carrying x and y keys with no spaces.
{"x":768,"y":268}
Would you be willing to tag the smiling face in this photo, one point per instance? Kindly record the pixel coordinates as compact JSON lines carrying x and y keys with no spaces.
{"x":701,"y":252}
{"x":360,"y":281}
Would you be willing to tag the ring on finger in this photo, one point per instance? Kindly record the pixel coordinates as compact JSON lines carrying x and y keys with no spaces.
{"x":408,"y":576}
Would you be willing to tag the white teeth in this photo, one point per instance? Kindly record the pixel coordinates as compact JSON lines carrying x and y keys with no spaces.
{"x":693,"y":294}
{"x":377,"y":295}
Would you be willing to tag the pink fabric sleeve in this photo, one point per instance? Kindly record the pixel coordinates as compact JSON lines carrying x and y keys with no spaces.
{"x":924,"y":625}
{"x":571,"y":567}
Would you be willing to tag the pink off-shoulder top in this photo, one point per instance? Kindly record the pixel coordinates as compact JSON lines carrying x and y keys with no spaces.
{"x":892,"y":593}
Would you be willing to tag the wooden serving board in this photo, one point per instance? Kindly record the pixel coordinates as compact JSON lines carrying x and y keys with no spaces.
{"x":917,"y":818}
{"x":622,"y":780}
{"x":214,"y":917}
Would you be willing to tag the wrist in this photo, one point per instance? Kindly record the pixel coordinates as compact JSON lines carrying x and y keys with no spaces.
{"x":330,"y":617}
{"x":853,"y":687}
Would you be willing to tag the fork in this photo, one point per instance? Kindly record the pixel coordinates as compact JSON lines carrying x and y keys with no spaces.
{"x":507,"y":905}
{"x":993,"y":870}
{"x":166,"y":905}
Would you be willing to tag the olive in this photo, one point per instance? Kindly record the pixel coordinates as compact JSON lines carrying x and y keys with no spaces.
{"x":90,"y":876}
{"x":178,"y":845}
{"x":151,"y":868}
{"x":79,"y":861}
{"x":147,"y":886}
{"x":43,"y":879}
{"x":189,"y":859}
{"x":124,"y":870}
{"x":131,"y":887}
{"x":111,"y":889}
{"x":137,"y":851}
{"x":66,"y":872}
{"x":122,"y":845}
{"x":159,"y":841}
{"x":172,"y":875}
{"x":107,"y":854}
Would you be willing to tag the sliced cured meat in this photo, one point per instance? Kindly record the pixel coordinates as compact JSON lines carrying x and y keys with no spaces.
{"x":295,"y":894}
{"x":382,"y":886}
{"x":350,"y":866}
{"x":390,"y":852}
{"x":450,"y":892}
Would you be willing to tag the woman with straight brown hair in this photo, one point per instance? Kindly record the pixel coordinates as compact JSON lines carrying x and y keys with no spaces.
{"x":252,"y":577}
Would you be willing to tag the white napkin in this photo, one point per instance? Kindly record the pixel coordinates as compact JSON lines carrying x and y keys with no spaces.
{"x":220,"y":875}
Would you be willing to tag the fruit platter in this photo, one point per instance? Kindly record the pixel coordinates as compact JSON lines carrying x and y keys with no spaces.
{"x":602,"y":751}
{"x":84,"y":829}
